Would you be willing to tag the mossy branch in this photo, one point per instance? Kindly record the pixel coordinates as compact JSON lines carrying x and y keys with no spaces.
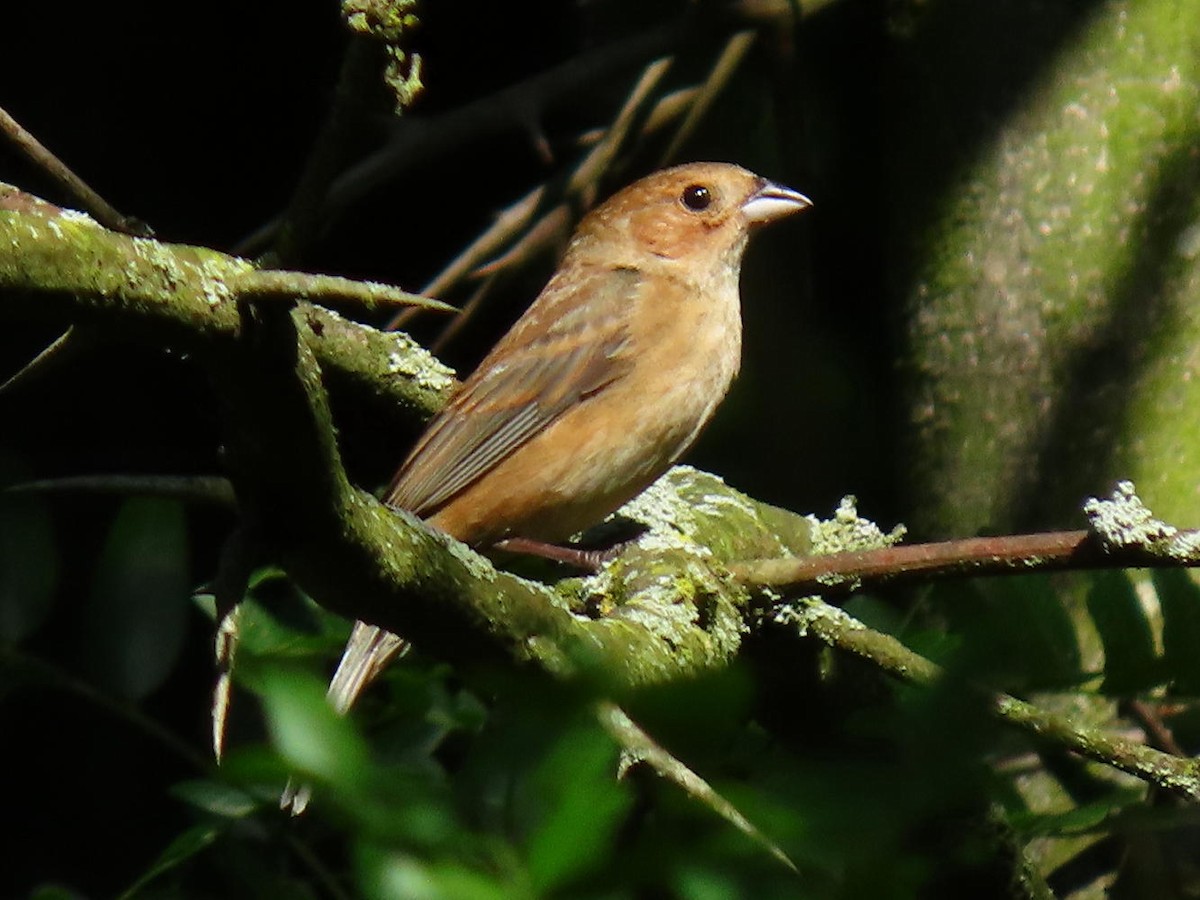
{"x":666,"y":607}
{"x":812,"y":616}
{"x":62,"y":265}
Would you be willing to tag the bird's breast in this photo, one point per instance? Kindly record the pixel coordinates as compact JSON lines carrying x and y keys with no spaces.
{"x":681,"y":353}
{"x":687,"y":353}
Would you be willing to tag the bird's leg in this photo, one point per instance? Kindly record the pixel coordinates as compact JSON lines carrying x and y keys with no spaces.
{"x":587,"y":560}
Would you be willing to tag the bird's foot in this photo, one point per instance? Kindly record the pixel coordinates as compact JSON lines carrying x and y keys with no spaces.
{"x":587,"y":560}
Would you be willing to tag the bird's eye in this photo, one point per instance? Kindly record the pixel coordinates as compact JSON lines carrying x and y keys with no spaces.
{"x":696,"y":197}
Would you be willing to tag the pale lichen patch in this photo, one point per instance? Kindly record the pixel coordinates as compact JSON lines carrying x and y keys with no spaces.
{"x":1124,"y":521}
{"x":410,"y":360}
{"x":802,"y":613}
{"x":212,"y":284}
{"x":848,"y":531}
{"x":78,"y":217}
{"x":661,"y":507}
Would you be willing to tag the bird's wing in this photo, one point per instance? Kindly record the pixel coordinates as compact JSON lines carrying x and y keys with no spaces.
{"x":560,"y":351}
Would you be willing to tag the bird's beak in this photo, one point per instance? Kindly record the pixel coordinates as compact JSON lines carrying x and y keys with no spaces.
{"x":773,"y":201}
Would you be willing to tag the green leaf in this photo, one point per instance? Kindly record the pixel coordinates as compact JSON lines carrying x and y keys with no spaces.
{"x":216,"y":797}
{"x":306,"y":730}
{"x":183,"y":848}
{"x":28,"y":559}
{"x":584,"y":805}
{"x":139,"y":600}
{"x":391,"y":876}
{"x":1130,"y":660}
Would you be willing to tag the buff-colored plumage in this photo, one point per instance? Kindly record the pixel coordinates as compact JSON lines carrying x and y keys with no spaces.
{"x":599,"y":387}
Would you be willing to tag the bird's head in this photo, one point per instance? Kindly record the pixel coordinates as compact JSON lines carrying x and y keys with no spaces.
{"x":694,"y":213}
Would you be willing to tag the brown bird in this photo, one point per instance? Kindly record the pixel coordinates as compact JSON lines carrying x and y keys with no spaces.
{"x":601,"y":385}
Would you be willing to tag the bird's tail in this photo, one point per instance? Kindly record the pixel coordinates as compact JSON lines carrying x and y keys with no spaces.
{"x":367,"y":653}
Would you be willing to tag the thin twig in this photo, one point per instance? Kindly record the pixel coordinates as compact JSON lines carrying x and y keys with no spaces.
{"x":638,"y":745}
{"x":581,"y":184}
{"x":209,"y":489}
{"x":468,"y":309}
{"x":59,"y":678}
{"x":62,"y":349}
{"x":842,"y":573}
{"x":260,"y":284}
{"x":731,"y":56}
{"x":513,"y":219}
{"x":1152,"y":723}
{"x":417,"y":140}
{"x":91,"y":201}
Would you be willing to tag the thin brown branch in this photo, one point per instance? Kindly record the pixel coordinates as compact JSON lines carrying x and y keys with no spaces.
{"x":582,"y":184}
{"x":455,"y":325}
{"x":206,"y":489}
{"x":268,"y":284}
{"x":1157,"y":732}
{"x":842,"y":573}
{"x":417,"y":140}
{"x":731,"y":56}
{"x":638,"y":746}
{"x":91,"y":201}
{"x":62,"y":349}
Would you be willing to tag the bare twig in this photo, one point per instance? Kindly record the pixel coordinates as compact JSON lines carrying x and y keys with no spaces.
{"x":267,"y":284}
{"x":104,"y":212}
{"x":843,"y":573}
{"x":468,"y":309}
{"x":581,"y":184}
{"x":731,"y":56}
{"x":840,"y":573}
{"x":640,"y":747}
{"x":1152,"y":723}
{"x":189,"y":488}
{"x":417,"y":140}
{"x":62,"y":349}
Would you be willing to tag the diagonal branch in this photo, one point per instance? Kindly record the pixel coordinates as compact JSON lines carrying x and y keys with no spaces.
{"x":665,"y":608}
{"x":71,"y":183}
{"x":63,"y":265}
{"x":1179,"y":775}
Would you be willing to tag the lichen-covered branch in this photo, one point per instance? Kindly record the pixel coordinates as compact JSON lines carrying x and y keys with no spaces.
{"x":1124,"y":534}
{"x":812,"y":616}
{"x":63,"y":265}
{"x":664,"y":609}
{"x":667,"y":606}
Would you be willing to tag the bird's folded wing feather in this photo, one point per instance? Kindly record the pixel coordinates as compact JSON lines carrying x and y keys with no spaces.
{"x":558,"y":353}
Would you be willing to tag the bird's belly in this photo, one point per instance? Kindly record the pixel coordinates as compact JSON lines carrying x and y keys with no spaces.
{"x":591,"y":460}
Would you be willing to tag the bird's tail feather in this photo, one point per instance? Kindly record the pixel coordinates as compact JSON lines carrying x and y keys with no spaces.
{"x":367,"y":653}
